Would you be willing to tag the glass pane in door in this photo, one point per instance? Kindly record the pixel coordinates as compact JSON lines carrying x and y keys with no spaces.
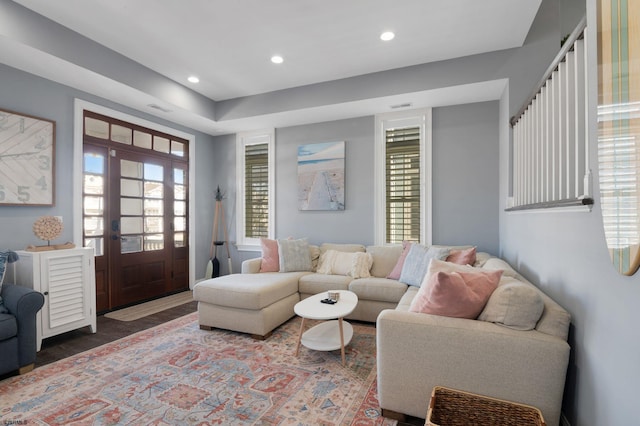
{"x":130,"y":188}
{"x":131,"y":244}
{"x":153,"y":225}
{"x":93,"y":206}
{"x":179,"y":207}
{"x":132,"y":169}
{"x":131,"y":207}
{"x":93,"y":226}
{"x":141,"y":206}
{"x":93,"y":201}
{"x":93,"y":184}
{"x":153,"y":207}
{"x":153,"y":242}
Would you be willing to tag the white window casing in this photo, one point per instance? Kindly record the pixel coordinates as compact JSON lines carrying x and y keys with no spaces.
{"x":244,"y":139}
{"x":422,"y":119}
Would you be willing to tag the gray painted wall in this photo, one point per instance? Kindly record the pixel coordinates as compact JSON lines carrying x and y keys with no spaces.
{"x":465,"y":180}
{"x":355,"y":223}
{"x":465,"y":175}
{"x":566,"y":254}
{"x":223,"y":168}
{"x":26,"y":93}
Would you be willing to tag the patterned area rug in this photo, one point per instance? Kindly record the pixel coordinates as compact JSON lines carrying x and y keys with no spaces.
{"x":177,"y":374}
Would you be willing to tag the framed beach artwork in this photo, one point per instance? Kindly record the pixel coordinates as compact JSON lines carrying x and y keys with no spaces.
{"x":321,"y":176}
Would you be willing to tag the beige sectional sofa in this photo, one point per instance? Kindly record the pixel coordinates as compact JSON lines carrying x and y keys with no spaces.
{"x":256,"y":303}
{"x":416,"y":352}
{"x":494,"y":355}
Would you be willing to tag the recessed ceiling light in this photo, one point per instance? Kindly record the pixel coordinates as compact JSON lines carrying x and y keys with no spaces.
{"x":193,"y":79}
{"x":386,"y":36}
{"x":277,"y":59}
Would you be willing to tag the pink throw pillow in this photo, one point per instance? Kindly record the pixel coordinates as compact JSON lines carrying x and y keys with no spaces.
{"x":455,"y":294}
{"x":463,"y":257}
{"x":397,"y":270}
{"x":270,"y":258}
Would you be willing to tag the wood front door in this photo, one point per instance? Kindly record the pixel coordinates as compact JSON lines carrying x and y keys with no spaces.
{"x":135,"y":216}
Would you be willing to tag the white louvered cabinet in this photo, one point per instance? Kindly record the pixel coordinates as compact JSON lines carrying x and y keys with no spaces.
{"x":67,"y":280}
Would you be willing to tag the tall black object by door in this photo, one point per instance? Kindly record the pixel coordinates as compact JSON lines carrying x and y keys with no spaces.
{"x":213,"y":269}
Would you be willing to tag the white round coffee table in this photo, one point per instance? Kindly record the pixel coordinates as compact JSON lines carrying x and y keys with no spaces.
{"x":328,"y":335}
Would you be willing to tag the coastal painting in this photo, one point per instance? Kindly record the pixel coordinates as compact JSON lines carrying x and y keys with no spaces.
{"x":321,"y":176}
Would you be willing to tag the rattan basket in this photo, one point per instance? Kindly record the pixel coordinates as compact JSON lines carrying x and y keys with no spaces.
{"x":450,"y":407}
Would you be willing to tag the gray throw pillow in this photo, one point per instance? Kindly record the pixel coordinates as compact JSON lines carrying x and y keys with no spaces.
{"x":515,"y":305}
{"x":417,"y":262}
{"x":294,"y":255}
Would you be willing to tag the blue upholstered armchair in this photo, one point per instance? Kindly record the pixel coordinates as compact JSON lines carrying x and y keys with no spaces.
{"x":18,"y":328}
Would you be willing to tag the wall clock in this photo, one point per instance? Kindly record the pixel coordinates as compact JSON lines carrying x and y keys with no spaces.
{"x":27,"y":155}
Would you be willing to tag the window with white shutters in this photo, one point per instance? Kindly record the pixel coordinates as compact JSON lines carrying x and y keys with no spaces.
{"x":255,"y":187}
{"x":403,"y":177}
{"x":256,"y":196}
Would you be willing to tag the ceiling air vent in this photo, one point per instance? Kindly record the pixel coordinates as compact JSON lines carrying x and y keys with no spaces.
{"x":156,"y":106}
{"x":404,"y":105}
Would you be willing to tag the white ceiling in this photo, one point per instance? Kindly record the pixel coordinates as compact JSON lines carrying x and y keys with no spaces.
{"x":227,"y":44}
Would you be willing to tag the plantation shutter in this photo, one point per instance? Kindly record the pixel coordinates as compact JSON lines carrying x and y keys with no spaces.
{"x":402,"y":152}
{"x":256,"y":190}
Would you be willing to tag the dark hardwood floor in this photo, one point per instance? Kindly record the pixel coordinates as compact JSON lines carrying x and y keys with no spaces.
{"x":76,"y":341}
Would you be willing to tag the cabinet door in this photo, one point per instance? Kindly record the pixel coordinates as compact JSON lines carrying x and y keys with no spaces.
{"x":64,"y":279}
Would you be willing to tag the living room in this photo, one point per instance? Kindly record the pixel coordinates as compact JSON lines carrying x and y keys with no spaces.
{"x":564,"y":253}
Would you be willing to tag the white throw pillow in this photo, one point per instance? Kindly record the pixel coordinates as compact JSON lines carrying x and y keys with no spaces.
{"x":356,"y":265}
{"x":342,"y":263}
{"x":326,"y":261}
{"x":361,"y":265}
